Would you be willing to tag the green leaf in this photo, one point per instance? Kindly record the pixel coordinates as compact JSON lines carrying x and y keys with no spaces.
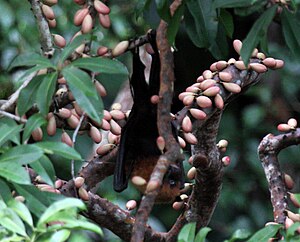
{"x":79,"y":224}
{"x":290,"y":29}
{"x":35,"y":121}
{"x":239,"y":234}
{"x":201,"y":235}
{"x":12,"y":123}
{"x":163,"y":9}
{"x":175,"y":21}
{"x":187,"y":233}
{"x":36,"y":200}
{"x":60,"y":149}
{"x":84,"y":92}
{"x":227,"y":21}
{"x":233,"y":3}
{"x":56,"y":207}
{"x":60,"y":236}
{"x":10,"y":221}
{"x":291,"y":230}
{"x":45,"y":169}
{"x":31,"y":59}
{"x":257,"y":32}
{"x":45,"y":92}
{"x":297,"y":197}
{"x":7,"y":132}
{"x":73,"y":45}
{"x":14,"y":172}
{"x":21,"y":210}
{"x":141,"y":6}
{"x":102,"y":65}
{"x":263,"y":235}
{"x":22,"y":154}
{"x":27,"y":96}
{"x":5,"y":192}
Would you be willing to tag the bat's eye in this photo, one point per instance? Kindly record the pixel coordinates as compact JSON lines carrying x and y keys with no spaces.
{"x":172,"y":183}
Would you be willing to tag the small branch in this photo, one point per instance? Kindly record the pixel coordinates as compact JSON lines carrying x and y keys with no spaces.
{"x":12,"y":116}
{"x":164,"y":128}
{"x":43,"y":26}
{"x":268,"y":151}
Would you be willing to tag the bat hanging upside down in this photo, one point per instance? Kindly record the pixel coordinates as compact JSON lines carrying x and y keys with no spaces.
{"x":138,"y":152}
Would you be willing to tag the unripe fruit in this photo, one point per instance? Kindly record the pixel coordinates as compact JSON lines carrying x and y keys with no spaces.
{"x":111,"y":138}
{"x":279,"y":64}
{"x":191,"y":173}
{"x":226,"y":160}
{"x":213,"y":67}
{"x":237,"y":45}
{"x":184,"y":197}
{"x":154,"y":99}
{"x":190,"y":138}
{"x":104,"y":20}
{"x":200,"y":79}
{"x":177,"y":205}
{"x":269,"y":62}
{"x":207,"y":84}
{"x":80,"y":15}
{"x":225,"y":76}
{"x":105,"y":125}
{"x":104,"y":149}
{"x":102,"y":50}
{"x":289,"y":183}
{"x":116,"y":106}
{"x":115,"y":128}
{"x":20,"y":199}
{"x":83,"y":194}
{"x":284,"y":127}
{"x":160,"y":142}
{"x":231,"y":61}
{"x":59,"y":40}
{"x":101,"y":7}
{"x":48,"y":12}
{"x":87,"y":24}
{"x":240,"y":65}
{"x":107,"y":115}
{"x":219,"y":102}
{"x":260,"y":68}
{"x":188,"y":100}
{"x":294,"y":200}
{"x":79,"y":2}
{"x":95,"y":134}
{"x":120,"y":48}
{"x":73,"y":121}
{"x":203,"y":102}
{"x":184,"y":94}
{"x":50,"y":2}
{"x":293,"y":216}
{"x":232,"y":87}
{"x":52,"y":23}
{"x":138,"y":181}
{"x":100,"y":89}
{"x":37,"y":134}
{"x":117,"y":114}
{"x":288,"y":222}
{"x":223,"y":143}
{"x":131,"y":204}
{"x":187,"y":125}
{"x":79,"y":181}
{"x":181,"y":142}
{"x":197,"y":113}
{"x":65,"y":138}
{"x":254,"y":52}
{"x":80,"y":49}
{"x":58,"y":184}
{"x":212,"y":91}
{"x":261,"y":56}
{"x":51,"y":126}
{"x":292,"y":122}
{"x":207,"y":74}
{"x":193,"y":89}
{"x":221,"y":65}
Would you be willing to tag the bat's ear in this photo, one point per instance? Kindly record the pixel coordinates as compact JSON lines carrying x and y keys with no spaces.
{"x":152,"y":40}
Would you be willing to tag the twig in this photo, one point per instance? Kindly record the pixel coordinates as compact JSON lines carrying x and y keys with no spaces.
{"x":164,"y":128}
{"x":268,"y":151}
{"x":74,"y":140}
{"x":12,"y":116}
{"x":43,"y":26}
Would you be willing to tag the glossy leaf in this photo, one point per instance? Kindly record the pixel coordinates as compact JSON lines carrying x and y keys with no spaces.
{"x":5,"y":192}
{"x":265,"y":234}
{"x":291,"y":31}
{"x":14,"y":173}
{"x":56,"y":207}
{"x":227,"y":21}
{"x":60,"y":149}
{"x":27,"y":96}
{"x":69,"y":49}
{"x":233,"y":3}
{"x":201,"y":235}
{"x":174,"y":24}
{"x":163,"y":9}
{"x":36,"y":200}
{"x":45,"y":92}
{"x":45,"y":169}
{"x":187,"y":233}
{"x":31,"y":59}
{"x":60,"y":236}
{"x":84,"y":92}
{"x":35,"y":121}
{"x":257,"y":32}
{"x":102,"y":65}
{"x":21,"y":155}
{"x":239,"y":234}
{"x":12,"y":124}
{"x":7,"y":132}
{"x":10,"y":221}
{"x":21,"y":210}
{"x":141,"y":6}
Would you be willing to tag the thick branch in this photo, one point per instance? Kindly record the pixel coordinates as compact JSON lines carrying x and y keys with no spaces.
{"x":268,"y":151}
